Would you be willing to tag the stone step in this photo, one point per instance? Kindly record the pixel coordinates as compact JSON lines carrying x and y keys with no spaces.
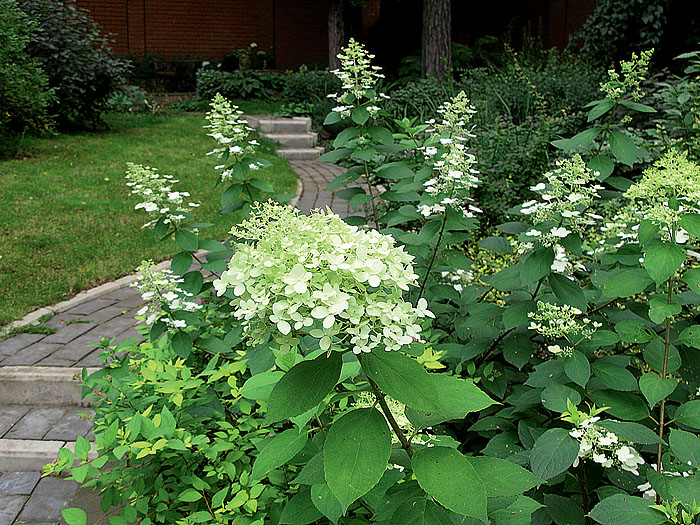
{"x":293,"y":140}
{"x":41,"y":385}
{"x":281,"y":125}
{"x":26,"y":455}
{"x":300,"y":153}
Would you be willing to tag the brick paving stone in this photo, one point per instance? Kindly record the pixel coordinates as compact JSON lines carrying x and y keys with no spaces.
{"x":91,"y":360}
{"x":61,"y":320}
{"x":127,"y":334}
{"x":10,"y":506}
{"x":50,"y":496}
{"x":9,"y":416}
{"x":53,"y":360}
{"x":89,"y":307}
{"x":70,"y":426}
{"x":123,"y":294}
{"x":116,"y":326}
{"x":108,"y":313}
{"x":18,"y":483}
{"x":12,"y":344}
{"x":70,"y":332}
{"x":31,"y":354}
{"x":36,"y":423}
{"x":71,"y":353}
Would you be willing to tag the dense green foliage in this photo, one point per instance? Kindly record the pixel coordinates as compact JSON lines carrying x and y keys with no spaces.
{"x":77,"y":59}
{"x":24,"y":91}
{"x":368,"y":371}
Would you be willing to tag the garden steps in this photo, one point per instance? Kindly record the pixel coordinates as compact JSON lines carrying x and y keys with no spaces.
{"x":293,"y":134}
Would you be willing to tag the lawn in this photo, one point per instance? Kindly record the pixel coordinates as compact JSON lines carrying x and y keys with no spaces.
{"x":67,"y":221}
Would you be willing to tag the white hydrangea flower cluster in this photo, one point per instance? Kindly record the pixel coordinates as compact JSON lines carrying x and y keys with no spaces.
{"x":231,"y":133}
{"x":671,"y":177}
{"x":454,"y":172}
{"x":623,"y":227}
{"x":161,"y":289}
{"x":553,"y":321}
{"x":158,"y":196}
{"x":398,"y":412}
{"x":359,"y":77}
{"x":458,"y":278}
{"x":318,"y":275}
{"x":566,"y":196}
{"x":598,"y":444}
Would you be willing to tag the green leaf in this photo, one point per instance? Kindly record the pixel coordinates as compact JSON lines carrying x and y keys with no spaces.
{"x":537,"y":265}
{"x":603,"y":165}
{"x":420,"y":510}
{"x":312,"y":473}
{"x":186,"y":240}
{"x":660,"y":309}
{"x":600,"y":109}
{"x":324,"y":500}
{"x":613,"y":375}
{"x":181,"y":263}
{"x":654,"y":356}
{"x":568,"y":292}
{"x":182,"y":344}
{"x":513,"y":228}
{"x":691,"y":336}
{"x":260,"y":386}
{"x":356,"y":453}
{"x":647,"y":231}
{"x":654,"y":388}
{"x":553,"y":453}
{"x":261,"y":185}
{"x":381,"y":135}
{"x":622,"y":509}
{"x":333,"y":117}
{"x":623,"y":148}
{"x":189,"y":495}
{"x":685,"y":489}
{"x":517,"y":314}
{"x":581,"y":139}
{"x":662,"y":260}
{"x":359,"y":115}
{"x":633,"y":432}
{"x":564,"y":511}
{"x":295,"y":393}
{"x":299,"y":510}
{"x":278,"y":451}
{"x":503,"y":478}
{"x":335,"y":155}
{"x":626,"y":283}
{"x":450,"y":478}
{"x":577,"y":368}
{"x":685,"y":447}
{"x":109,"y":436}
{"x":74,"y":516}
{"x":345,"y":136}
{"x":622,"y":404}
{"x":395,"y":170}
{"x":342,"y":180}
{"x":359,"y":200}
{"x":691,"y":223}
{"x":496,"y":244}
{"x":636,"y":106}
{"x":555,"y":397}
{"x":688,"y":414}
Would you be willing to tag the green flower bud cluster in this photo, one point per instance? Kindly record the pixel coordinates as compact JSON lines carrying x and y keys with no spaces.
{"x":551,"y":320}
{"x":161,"y":289}
{"x":230,"y":132}
{"x":630,"y":81}
{"x":319,"y":276}
{"x":359,"y":78}
{"x":158,"y":196}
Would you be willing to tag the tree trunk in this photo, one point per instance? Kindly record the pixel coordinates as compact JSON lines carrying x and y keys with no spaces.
{"x":436,"y":43}
{"x":336,"y":32}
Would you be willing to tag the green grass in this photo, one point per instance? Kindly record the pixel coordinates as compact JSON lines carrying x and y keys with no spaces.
{"x":67,"y":221}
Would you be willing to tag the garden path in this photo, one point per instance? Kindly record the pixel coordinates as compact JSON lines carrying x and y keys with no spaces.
{"x":39,"y":395}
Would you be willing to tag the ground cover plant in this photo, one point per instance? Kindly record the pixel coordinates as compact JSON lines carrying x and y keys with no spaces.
{"x":65,"y":206}
{"x":366,"y":371}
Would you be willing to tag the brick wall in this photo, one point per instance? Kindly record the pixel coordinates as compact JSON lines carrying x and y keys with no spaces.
{"x":297,"y":29}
